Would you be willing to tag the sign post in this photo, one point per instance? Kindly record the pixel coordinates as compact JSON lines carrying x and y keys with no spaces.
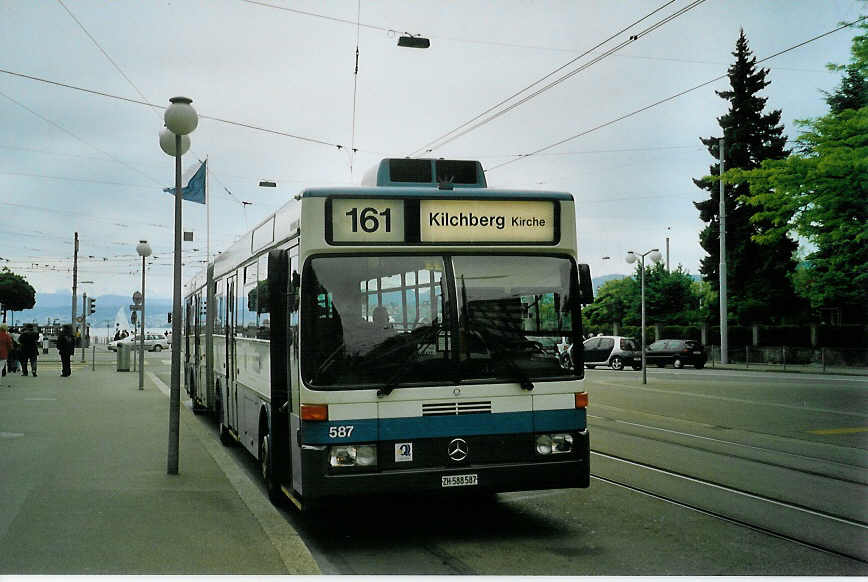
{"x":139,"y":305}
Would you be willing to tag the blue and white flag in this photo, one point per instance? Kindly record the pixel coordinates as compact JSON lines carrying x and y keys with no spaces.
{"x":194,"y":191}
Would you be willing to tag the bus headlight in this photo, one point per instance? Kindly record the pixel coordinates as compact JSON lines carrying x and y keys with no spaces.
{"x":554,"y":444}
{"x":353,"y":456}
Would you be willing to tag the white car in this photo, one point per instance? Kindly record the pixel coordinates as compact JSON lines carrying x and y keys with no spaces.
{"x":154,"y":342}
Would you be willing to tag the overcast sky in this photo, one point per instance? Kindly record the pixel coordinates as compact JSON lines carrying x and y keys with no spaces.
{"x":74,"y":161}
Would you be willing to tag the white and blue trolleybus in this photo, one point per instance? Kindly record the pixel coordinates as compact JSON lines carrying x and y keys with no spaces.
{"x":399,"y":336}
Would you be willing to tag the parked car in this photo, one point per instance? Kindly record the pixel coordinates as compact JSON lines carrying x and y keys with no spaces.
{"x":677,"y":352}
{"x":154,"y":342}
{"x":613,"y":351}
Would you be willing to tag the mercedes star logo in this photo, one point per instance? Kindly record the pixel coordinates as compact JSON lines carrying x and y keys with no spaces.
{"x":458,"y":449}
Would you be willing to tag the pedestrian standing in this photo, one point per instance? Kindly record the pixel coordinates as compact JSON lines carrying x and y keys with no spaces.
{"x":29,"y":342}
{"x":66,"y":347}
{"x":5,"y":347}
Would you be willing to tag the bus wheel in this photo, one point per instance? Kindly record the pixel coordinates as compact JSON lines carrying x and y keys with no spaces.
{"x":222,"y":430}
{"x":267,"y":470}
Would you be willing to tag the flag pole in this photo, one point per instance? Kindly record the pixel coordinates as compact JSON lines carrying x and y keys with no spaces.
{"x":207,"y":212}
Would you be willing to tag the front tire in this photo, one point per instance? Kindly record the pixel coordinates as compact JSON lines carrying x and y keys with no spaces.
{"x":617,"y":363}
{"x":158,"y":348}
{"x":267,"y":470}
{"x":678,"y":363}
{"x":699,"y":365}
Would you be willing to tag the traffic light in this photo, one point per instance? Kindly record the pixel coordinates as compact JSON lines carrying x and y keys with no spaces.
{"x":170,"y":317}
{"x":91,"y":305}
{"x":134,"y":317}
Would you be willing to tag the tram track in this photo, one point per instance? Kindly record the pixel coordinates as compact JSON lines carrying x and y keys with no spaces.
{"x":809,"y":527}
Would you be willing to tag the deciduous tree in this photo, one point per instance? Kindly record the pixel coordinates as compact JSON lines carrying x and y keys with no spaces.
{"x":15,"y":292}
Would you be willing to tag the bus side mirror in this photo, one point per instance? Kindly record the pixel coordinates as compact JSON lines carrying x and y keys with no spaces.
{"x":586,"y":285}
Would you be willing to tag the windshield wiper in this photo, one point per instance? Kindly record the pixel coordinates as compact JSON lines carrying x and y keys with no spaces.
{"x":502,"y":355}
{"x":520,"y":375}
{"x":408,"y":365}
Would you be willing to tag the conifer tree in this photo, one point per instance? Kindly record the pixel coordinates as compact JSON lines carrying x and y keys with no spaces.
{"x":759,"y":288}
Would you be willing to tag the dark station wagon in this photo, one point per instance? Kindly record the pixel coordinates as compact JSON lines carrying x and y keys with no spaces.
{"x":677,"y":352}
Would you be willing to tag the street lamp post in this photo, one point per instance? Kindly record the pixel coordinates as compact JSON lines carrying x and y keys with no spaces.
{"x":181,"y":119}
{"x":631,"y":258}
{"x":144,"y":250}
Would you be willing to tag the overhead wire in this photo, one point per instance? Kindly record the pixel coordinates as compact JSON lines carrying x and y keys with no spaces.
{"x":355,"y":87}
{"x":125,"y":76}
{"x":670,"y":98}
{"x":445,"y":138}
{"x":147,"y":104}
{"x":77,"y":138}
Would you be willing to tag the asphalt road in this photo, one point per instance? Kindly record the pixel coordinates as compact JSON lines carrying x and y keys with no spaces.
{"x":784,"y":436}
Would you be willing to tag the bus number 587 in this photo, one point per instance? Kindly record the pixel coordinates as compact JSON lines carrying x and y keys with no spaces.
{"x":369,"y":219}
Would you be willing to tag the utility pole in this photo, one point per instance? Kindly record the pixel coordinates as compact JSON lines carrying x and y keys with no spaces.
{"x":74,"y":283}
{"x":724,"y":343}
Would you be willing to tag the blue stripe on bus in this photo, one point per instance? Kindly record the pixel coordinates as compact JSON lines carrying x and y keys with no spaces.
{"x":372,"y":429}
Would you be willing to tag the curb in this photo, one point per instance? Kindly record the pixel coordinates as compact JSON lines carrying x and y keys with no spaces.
{"x":287,"y":542}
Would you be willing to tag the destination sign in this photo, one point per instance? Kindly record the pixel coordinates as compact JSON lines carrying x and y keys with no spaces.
{"x":427,"y":221}
{"x":476,"y":221}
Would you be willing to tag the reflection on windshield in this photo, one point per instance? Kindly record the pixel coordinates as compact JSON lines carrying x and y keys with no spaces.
{"x":385,"y":321}
{"x":512,"y":310}
{"x":368,"y":319}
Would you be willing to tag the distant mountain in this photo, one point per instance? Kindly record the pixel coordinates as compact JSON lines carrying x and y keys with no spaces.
{"x":58,"y":306}
{"x":599,"y":281}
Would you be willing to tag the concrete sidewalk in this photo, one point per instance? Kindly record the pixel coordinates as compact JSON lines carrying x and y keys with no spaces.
{"x":84,"y":487}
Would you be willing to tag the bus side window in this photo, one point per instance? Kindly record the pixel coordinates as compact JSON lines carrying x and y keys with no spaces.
{"x":293,"y":297}
{"x":220,"y":316}
{"x":263,"y":300}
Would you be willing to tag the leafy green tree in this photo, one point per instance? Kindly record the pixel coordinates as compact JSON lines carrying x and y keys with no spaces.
{"x":821,"y":193}
{"x":15,"y":292}
{"x":615,"y":302}
{"x":758,"y":283}
{"x":670,"y":296}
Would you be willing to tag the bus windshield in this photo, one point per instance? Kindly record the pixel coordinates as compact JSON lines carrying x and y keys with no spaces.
{"x":375,"y":321}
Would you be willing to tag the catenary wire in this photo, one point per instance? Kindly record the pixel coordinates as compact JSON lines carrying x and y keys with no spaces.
{"x":670,"y":98}
{"x":538,"y":81}
{"x":125,"y":76}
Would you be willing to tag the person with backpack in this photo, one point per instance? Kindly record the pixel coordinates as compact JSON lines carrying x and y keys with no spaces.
{"x":66,"y":347}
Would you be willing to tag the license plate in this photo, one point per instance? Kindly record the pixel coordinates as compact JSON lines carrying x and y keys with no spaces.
{"x":697,"y":352}
{"x":458,"y":480}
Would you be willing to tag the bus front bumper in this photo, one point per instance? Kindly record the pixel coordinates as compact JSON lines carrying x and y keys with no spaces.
{"x":573,"y":471}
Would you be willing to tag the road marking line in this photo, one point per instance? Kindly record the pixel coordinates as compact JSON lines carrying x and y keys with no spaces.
{"x":852,"y":430}
{"x":40,"y":399}
{"x":730,"y":399}
{"x":11,"y":435}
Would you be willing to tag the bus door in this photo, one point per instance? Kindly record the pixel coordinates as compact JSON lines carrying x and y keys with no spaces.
{"x":231,"y":355}
{"x":197,"y":348}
